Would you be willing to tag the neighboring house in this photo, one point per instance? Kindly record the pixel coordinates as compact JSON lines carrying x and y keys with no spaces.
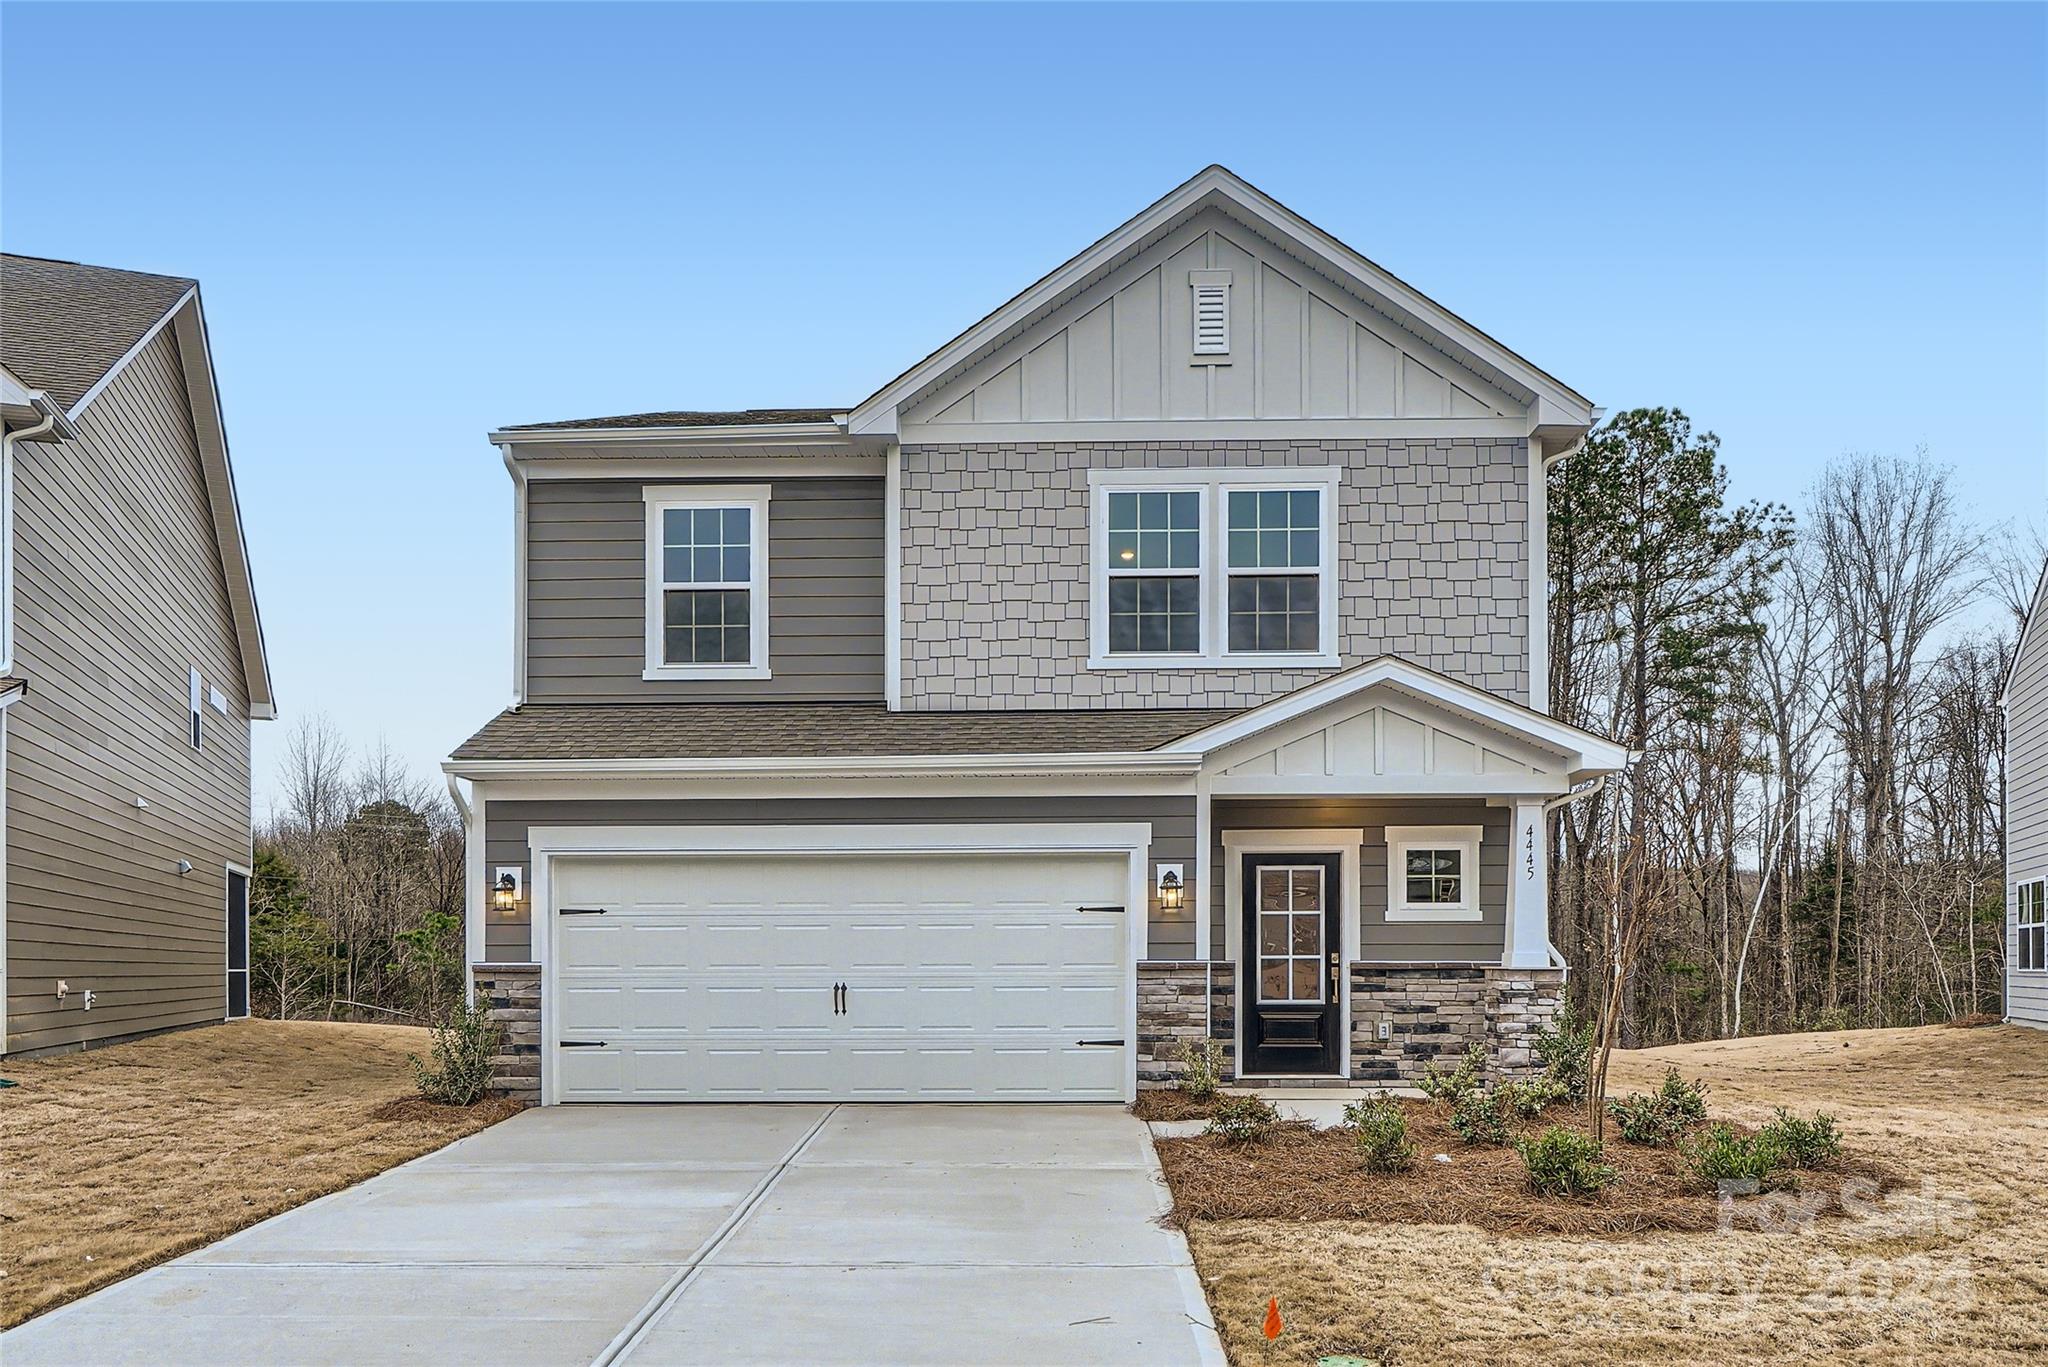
{"x":134,"y":663}
{"x":2026,"y":819}
{"x":1160,"y":659}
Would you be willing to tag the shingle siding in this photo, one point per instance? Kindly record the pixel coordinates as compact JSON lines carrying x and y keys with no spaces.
{"x":2026,"y":804}
{"x":1433,"y":552}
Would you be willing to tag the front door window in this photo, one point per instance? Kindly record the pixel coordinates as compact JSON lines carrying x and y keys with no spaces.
{"x":1291,"y":934}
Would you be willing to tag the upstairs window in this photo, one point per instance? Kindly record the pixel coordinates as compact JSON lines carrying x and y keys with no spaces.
{"x":707,"y":578}
{"x":1276,"y":561}
{"x":195,"y":731}
{"x":2030,"y":927}
{"x":1155,"y":572}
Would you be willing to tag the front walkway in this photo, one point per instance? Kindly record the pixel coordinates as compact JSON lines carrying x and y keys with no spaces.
{"x":691,"y":1234}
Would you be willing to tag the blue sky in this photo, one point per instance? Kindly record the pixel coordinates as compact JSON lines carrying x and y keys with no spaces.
{"x":1816,"y":229}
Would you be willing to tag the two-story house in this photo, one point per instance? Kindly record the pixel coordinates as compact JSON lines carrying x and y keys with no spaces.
{"x":2025,"y":704}
{"x":134,"y":664}
{"x":1161,"y":659}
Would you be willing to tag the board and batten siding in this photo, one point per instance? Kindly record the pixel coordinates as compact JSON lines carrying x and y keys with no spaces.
{"x":1381,"y":940}
{"x":2026,"y":804}
{"x":506,"y":823}
{"x":119,"y":592}
{"x":586,"y":628}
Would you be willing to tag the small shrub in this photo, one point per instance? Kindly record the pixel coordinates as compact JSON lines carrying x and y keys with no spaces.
{"x":1664,"y":1114}
{"x":1807,"y":1143}
{"x":1438,"y":1085}
{"x":1828,"y":1018}
{"x":1717,"y":1154}
{"x":1243,"y":1120}
{"x":464,"y":1042}
{"x":1685,"y":1102}
{"x":1382,"y":1133}
{"x":1477,"y":1118}
{"x":1526,"y":1099}
{"x":1566,"y":1052}
{"x":1564,"y":1162}
{"x":1204,"y":1059}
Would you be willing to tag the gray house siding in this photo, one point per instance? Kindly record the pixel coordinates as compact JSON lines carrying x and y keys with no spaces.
{"x":506,"y":824}
{"x":586,"y":594}
{"x":1381,"y":940}
{"x":2026,"y":805}
{"x":119,"y":591}
{"x":1432,"y":548}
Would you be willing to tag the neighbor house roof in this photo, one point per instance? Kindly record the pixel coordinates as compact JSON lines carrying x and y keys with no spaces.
{"x":65,"y":326}
{"x":66,"y":330}
{"x":662,"y":731}
{"x":742,"y":417}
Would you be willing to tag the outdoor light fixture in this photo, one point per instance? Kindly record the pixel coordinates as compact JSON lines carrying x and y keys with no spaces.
{"x":505,"y":892}
{"x":1169,"y":888}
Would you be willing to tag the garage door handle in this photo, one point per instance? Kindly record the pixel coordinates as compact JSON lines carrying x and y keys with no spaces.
{"x":1117,"y":910}
{"x":582,"y":911}
{"x":581,"y":1043}
{"x":1100,"y":1043}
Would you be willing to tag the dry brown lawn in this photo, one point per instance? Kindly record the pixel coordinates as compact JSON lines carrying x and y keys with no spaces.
{"x":1955,"y":1270}
{"x":118,"y":1158}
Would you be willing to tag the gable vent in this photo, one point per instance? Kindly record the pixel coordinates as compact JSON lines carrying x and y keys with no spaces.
{"x":1211,"y":312}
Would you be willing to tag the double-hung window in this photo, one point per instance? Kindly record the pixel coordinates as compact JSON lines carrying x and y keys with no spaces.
{"x":2030,"y":926}
{"x":1218,"y":568}
{"x":707,"y":582}
{"x":1433,"y":873}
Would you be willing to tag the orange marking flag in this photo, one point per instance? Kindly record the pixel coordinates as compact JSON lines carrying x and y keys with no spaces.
{"x":1273,"y":1324}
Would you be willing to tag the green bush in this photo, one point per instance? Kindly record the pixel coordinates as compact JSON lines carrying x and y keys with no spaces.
{"x":1717,"y":1154}
{"x":465,"y":1039}
{"x":1477,"y":1118}
{"x":1566,"y":1052}
{"x":1204,"y":1059}
{"x":1664,"y":1114}
{"x":1382,"y":1133}
{"x":1828,"y":1018}
{"x":1438,"y":1085}
{"x":1685,"y":1102}
{"x":1564,"y":1162}
{"x":1243,"y":1120}
{"x":1807,"y":1143}
{"x":1527,"y":1098}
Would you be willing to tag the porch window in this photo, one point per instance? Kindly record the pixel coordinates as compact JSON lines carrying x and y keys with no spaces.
{"x":2030,"y":930}
{"x":707,"y":600}
{"x":1433,"y":873}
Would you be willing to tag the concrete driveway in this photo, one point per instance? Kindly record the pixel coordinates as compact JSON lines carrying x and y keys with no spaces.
{"x":673,"y":1234}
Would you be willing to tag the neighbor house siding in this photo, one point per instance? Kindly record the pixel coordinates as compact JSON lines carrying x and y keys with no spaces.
{"x":1432,"y":544}
{"x":1380,"y":940}
{"x":587,"y":594}
{"x":506,"y":825}
{"x":119,"y":592}
{"x":2026,"y":805}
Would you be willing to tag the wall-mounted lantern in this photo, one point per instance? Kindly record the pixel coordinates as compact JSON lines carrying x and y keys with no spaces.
{"x":1170,"y":890}
{"x":505,"y":892}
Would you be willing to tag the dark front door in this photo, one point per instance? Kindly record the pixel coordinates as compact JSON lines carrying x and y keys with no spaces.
{"x":1292,"y":954}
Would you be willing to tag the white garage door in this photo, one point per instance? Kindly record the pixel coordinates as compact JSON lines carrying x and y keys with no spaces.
{"x":887,"y":977}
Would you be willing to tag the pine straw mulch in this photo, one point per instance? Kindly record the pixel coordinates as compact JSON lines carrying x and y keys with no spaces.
{"x":1300,"y":1173}
{"x":417,"y":1110}
{"x":1171,"y":1103}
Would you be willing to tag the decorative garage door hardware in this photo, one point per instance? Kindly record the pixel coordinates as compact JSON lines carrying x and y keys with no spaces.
{"x":583,"y":1044}
{"x":838,"y":999}
{"x":582,"y":911}
{"x":1114,"y":910}
{"x":1099,"y":1043}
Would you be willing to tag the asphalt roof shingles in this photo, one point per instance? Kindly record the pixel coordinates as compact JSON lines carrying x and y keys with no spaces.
{"x":815,"y":731}
{"x":63,"y":325}
{"x":740,"y":417}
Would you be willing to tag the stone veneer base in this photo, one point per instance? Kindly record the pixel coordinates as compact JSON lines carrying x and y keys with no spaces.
{"x":513,"y":994}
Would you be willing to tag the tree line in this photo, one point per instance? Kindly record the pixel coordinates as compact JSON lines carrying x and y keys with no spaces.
{"x":1810,"y":835}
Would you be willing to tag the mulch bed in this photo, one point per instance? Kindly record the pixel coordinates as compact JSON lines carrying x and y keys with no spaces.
{"x":1975,"y":1020}
{"x":1171,"y":1103}
{"x":418,"y":1110}
{"x":1302,"y":1173}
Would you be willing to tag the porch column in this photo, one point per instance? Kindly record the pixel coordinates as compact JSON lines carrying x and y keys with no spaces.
{"x":1528,"y":918}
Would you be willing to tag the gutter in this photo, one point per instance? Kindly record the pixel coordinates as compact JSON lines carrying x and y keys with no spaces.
{"x":765,"y":434}
{"x":1131,"y":762}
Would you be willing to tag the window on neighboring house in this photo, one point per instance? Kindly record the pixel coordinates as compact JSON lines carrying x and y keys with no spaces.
{"x":197,"y":693}
{"x":2030,"y":931}
{"x":1433,"y":873}
{"x":1155,"y":572}
{"x":1213,"y":568}
{"x":707,"y":577}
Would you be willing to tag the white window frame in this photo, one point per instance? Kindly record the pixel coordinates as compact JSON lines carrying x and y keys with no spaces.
{"x":1215,"y":486}
{"x":1401,"y":839}
{"x":661,"y":499}
{"x":195,"y":728}
{"x":1204,"y":629}
{"x":2021,"y":926}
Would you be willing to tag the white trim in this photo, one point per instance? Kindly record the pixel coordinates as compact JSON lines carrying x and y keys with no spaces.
{"x":864,"y":788}
{"x":892,"y":578}
{"x":1216,"y":285}
{"x":1346,"y":842}
{"x":731,"y":434}
{"x":227,"y":949}
{"x":1464,"y":839}
{"x":699,"y":467}
{"x":1538,"y":557}
{"x":1526,"y":923}
{"x":1132,"y":762}
{"x":99,"y":386}
{"x":1215,"y":484}
{"x":663,"y":498}
{"x":520,"y":574}
{"x":1133,"y":839}
{"x":1386,"y":785}
{"x":2041,"y":909}
{"x":476,"y":903}
{"x":1214,"y":429}
{"x":5,"y":767}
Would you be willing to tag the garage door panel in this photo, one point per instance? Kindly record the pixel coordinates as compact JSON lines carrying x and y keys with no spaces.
{"x":711,"y":978}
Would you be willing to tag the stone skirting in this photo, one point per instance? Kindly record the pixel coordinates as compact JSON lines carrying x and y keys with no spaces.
{"x":513,"y":992}
{"x":1179,"y":1002}
{"x":1435,"y":1012}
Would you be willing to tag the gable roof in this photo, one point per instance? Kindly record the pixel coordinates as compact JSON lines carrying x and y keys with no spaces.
{"x":68,"y":329}
{"x":2037,"y":613}
{"x":1552,"y":399}
{"x":742,"y":417}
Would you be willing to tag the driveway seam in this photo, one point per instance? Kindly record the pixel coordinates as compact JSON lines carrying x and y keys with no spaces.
{"x":636,"y":1328}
